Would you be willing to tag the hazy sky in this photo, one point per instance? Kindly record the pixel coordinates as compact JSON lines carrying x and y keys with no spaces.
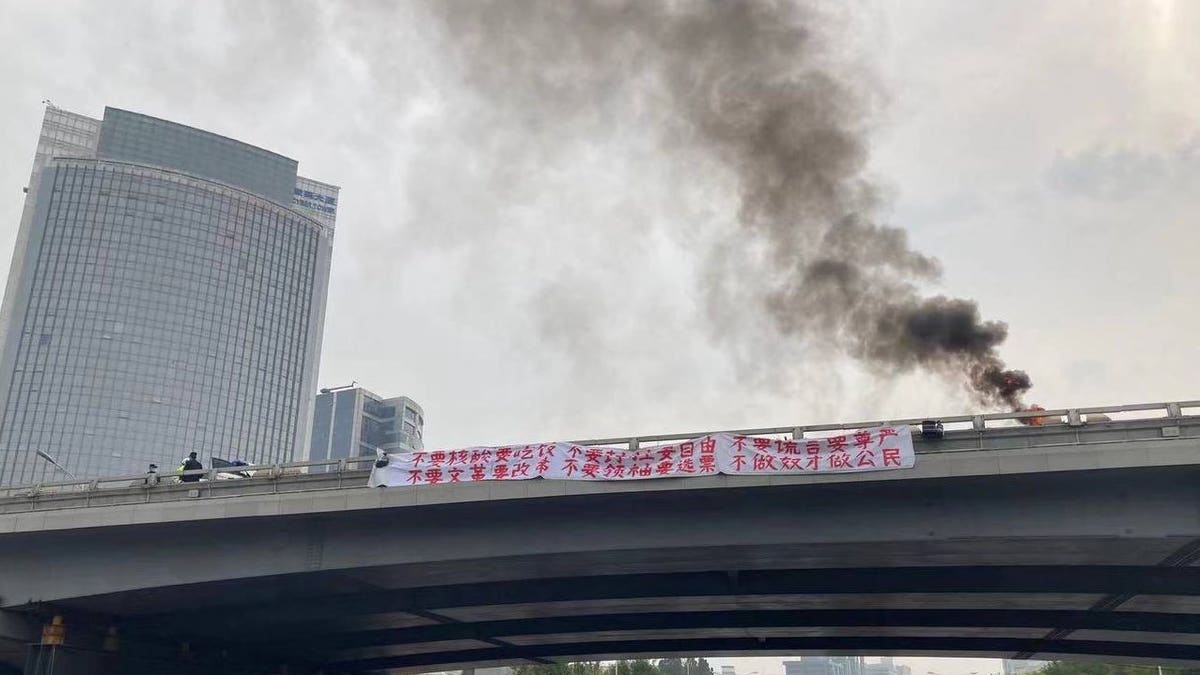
{"x":1047,"y":153}
{"x":525,"y":277}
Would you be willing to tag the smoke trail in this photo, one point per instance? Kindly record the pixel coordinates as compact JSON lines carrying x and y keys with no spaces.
{"x":758,"y":86}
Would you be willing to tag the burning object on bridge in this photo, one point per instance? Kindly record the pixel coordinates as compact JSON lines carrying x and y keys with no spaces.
{"x":931,"y":429}
{"x":1033,"y":421}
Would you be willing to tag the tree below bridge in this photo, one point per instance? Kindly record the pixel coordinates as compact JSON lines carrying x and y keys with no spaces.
{"x":1089,"y":668}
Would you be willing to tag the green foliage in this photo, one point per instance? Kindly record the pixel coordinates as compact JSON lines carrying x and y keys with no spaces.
{"x":549,"y":669}
{"x":671,"y":667}
{"x":580,"y":668}
{"x":1088,"y":668}
{"x":641,"y":667}
{"x":697,"y":667}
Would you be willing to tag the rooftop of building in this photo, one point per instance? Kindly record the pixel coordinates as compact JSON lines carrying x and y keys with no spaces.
{"x":408,"y":401}
{"x":209,"y":134}
{"x":129,"y":136}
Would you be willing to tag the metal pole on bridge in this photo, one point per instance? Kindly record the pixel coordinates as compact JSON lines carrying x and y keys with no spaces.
{"x":53,"y":462}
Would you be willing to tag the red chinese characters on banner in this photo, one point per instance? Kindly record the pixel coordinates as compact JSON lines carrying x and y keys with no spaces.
{"x":864,"y":450}
{"x":740,"y":448}
{"x":545,"y":455}
{"x":515,"y":462}
{"x":571,"y":462}
{"x":838,"y":458}
{"x":666,"y":460}
{"x":812,"y":456}
{"x":877,"y":449}
{"x":659,"y":461}
{"x":708,"y":455}
{"x":687,"y":458}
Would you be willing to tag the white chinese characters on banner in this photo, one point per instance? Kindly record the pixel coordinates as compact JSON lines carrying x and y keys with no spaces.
{"x":875,"y":449}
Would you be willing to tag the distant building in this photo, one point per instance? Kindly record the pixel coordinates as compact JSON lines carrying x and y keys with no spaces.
{"x":166,"y":295}
{"x":728,"y":670}
{"x":825,"y":665}
{"x":353,"y":422}
{"x":1022,"y":667}
{"x":886,"y":666}
{"x":843,"y":665}
{"x":497,"y":670}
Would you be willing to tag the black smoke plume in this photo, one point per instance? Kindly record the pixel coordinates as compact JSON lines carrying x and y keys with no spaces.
{"x":763,"y":88}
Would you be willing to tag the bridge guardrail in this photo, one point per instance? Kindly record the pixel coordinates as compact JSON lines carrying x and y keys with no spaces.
{"x":963,"y":432}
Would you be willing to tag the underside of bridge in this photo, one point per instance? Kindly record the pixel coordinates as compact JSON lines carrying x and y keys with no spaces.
{"x":1087,"y":565}
{"x":1116,"y":613}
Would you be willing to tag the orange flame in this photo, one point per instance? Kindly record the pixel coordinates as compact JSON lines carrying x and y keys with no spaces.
{"x":1034,"y":421}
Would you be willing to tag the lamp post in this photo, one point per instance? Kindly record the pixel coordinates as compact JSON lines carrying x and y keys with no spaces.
{"x":44,"y":455}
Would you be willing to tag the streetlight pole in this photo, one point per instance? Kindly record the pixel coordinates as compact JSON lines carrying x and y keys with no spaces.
{"x":46,"y":456}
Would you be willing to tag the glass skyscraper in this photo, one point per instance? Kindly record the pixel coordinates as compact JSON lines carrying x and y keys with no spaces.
{"x":167,"y":295}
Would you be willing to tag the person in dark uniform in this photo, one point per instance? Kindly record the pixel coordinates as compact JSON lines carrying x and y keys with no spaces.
{"x":191,"y":464}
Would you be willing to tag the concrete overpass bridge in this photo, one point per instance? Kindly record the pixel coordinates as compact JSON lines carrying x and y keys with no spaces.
{"x":1077,"y":539}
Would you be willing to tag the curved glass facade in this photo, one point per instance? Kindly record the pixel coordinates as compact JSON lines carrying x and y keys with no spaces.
{"x":158,"y":313}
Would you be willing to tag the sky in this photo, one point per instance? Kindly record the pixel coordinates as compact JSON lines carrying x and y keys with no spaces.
{"x":534,"y":272}
{"x":525,"y":278}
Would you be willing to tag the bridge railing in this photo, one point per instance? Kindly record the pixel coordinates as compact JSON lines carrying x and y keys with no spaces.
{"x":979,"y":422}
{"x":963,"y":432}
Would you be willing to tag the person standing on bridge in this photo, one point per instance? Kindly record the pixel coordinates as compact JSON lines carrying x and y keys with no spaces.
{"x":190,"y":464}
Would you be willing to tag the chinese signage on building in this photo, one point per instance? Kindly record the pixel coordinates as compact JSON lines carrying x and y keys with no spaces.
{"x":314,"y":200}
